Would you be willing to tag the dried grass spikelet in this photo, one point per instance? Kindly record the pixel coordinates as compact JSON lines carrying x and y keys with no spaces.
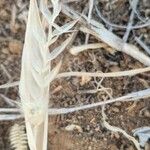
{"x":18,"y":137}
{"x":36,"y":72}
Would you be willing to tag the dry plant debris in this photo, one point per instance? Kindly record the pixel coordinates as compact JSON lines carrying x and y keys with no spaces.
{"x":15,"y":46}
{"x":51,"y":28}
{"x":143,"y":133}
{"x":18,"y":137}
{"x":73,"y":127}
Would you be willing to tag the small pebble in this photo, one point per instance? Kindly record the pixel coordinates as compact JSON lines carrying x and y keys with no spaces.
{"x":117,"y":104}
{"x":5,"y":51}
{"x":85,"y":79}
{"x":14,"y":28}
{"x":4,"y":15}
{"x":114,"y":69}
{"x":73,"y":127}
{"x":65,"y":104}
{"x":115,"y":109}
{"x":88,"y":128}
{"x":147,"y":113}
{"x":15,"y":46}
{"x":97,"y":129}
{"x":113,"y":147}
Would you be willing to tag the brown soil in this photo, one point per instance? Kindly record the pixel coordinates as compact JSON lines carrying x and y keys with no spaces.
{"x":67,"y":92}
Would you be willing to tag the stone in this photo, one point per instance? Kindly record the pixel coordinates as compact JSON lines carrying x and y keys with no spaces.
{"x":15,"y":46}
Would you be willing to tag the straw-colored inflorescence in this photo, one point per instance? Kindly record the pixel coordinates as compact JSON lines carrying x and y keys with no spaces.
{"x":18,"y":137}
{"x":36,"y":72}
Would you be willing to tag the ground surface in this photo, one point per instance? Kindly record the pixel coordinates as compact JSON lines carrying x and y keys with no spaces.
{"x":68,"y":92}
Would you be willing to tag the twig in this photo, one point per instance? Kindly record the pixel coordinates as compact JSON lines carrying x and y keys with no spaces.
{"x":92,"y":91}
{"x":91,"y":2}
{"x":13,"y":17}
{"x":126,"y":35}
{"x":100,"y":74}
{"x":6,"y":72}
{"x":9,"y":110}
{"x":135,"y":11}
{"x":97,"y":29}
{"x":10,"y":117}
{"x":129,"y":97}
{"x":8,"y":75}
{"x":94,"y":74}
{"x":8,"y":85}
{"x":117,"y":129}
{"x":115,"y":42}
{"x":77,"y":49}
{"x":8,"y":100}
{"x":120,"y":26}
{"x":142,"y":44}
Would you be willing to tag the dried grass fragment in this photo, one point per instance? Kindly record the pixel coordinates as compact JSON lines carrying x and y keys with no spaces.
{"x":100,"y":32}
{"x":117,"y":129}
{"x":77,"y":49}
{"x":18,"y":137}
